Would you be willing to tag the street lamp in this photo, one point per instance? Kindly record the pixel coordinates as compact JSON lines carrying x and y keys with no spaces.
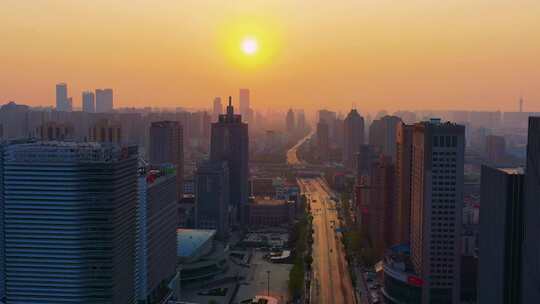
{"x":268,"y":285}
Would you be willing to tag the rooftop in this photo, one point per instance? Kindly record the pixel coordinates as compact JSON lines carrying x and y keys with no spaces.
{"x":190,"y":240}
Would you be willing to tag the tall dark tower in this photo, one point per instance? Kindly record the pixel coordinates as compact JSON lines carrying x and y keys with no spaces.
{"x":230,"y":143}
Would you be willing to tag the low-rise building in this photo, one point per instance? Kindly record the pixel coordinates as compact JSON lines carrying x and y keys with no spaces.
{"x":264,"y":211}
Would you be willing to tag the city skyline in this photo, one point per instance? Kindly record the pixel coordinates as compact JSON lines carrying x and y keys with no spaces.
{"x":477,"y":55}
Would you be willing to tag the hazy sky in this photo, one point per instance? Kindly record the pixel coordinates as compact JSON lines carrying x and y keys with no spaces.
{"x":377,"y":54}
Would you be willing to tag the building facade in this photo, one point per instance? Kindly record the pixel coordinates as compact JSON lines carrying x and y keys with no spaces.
{"x":88,"y":102}
{"x":167,"y":147}
{"x":230,"y":143}
{"x":69,"y":219}
{"x":501,"y":230}
{"x":436,"y":208}
{"x":104,"y":100}
{"x":403,"y":183}
{"x":212,"y":197}
{"x":353,"y":133}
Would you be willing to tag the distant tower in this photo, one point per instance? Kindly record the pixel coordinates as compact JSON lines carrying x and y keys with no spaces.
{"x":63,"y":102}
{"x":353,"y":138}
{"x":230,"y":143}
{"x":217,"y":109}
{"x":244,"y":103}
{"x":104,"y":100}
{"x":88,"y":102}
{"x":289,"y":122}
{"x":520,"y":104}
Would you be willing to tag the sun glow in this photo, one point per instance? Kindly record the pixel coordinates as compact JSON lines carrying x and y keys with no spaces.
{"x":250,"y":43}
{"x":250,"y":46}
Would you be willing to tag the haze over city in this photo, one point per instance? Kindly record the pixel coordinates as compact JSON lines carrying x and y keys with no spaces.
{"x":269,"y":152}
{"x":480,"y":55}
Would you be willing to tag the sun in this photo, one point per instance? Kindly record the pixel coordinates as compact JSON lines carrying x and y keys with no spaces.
{"x":249,"y":46}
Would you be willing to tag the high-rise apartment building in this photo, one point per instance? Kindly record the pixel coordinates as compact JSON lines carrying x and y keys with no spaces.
{"x":381,"y":203}
{"x":70,"y":222}
{"x":530,"y":276}
{"x":244,"y":102}
{"x":167,"y":147}
{"x":323,"y":138}
{"x":88,"y":102}
{"x":301,"y":121}
{"x":104,"y":100}
{"x":230,"y":143}
{"x":353,"y":140}
{"x":212,"y":186}
{"x":289,"y":122}
{"x":501,"y":231}
{"x":156,"y":232}
{"x":495,"y":148}
{"x":382,"y":134}
{"x":436,"y":208}
{"x":403,"y":171}
{"x":217,"y":108}
{"x":63,"y":102}
{"x":106,"y":131}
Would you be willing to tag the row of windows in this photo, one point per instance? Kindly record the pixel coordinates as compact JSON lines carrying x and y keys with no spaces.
{"x":435,"y":153}
{"x":444,"y":141}
{"x":444,"y":171}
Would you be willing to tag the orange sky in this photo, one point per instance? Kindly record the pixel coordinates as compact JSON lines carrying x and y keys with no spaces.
{"x":416,"y":54}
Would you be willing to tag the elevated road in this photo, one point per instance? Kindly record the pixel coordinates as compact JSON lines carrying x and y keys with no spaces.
{"x":292,"y":153}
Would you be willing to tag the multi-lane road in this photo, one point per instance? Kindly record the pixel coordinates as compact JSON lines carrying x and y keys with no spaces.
{"x":331,"y":282}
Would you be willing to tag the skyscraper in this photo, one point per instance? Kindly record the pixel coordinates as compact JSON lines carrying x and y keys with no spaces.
{"x":156,"y":232}
{"x":380,"y":210}
{"x":289,"y":122}
{"x":301,"y":121}
{"x":403,"y":158}
{"x":106,"y":131}
{"x":88,"y":102}
{"x":436,"y":208}
{"x":217,"y":108}
{"x":69,"y":219}
{"x":382,"y":133}
{"x":167,"y":147}
{"x":104,"y":100}
{"x":531,"y":247}
{"x":323,"y":138}
{"x":230,"y":143}
{"x":353,"y":140}
{"x":501,"y":231}
{"x":212,"y":186}
{"x":63,"y":102}
{"x":244,"y":102}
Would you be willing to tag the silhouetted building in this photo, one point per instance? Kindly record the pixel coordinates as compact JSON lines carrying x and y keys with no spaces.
{"x":106,"y":131}
{"x":382,"y":134}
{"x":353,"y":138}
{"x":495,"y":148}
{"x":380,"y":210}
{"x":436,"y":208}
{"x":104,"y":100}
{"x":531,"y":247}
{"x":244,"y":103}
{"x":403,"y":183}
{"x":156,"y":232}
{"x":167,"y":147}
{"x":323,"y":144}
{"x":365,"y":158}
{"x":77,"y":243}
{"x":212,"y":205}
{"x":217,"y":108}
{"x":301,"y":121}
{"x":230,"y":143}
{"x":289,"y":122}
{"x":63,"y":102}
{"x":53,"y":130}
{"x":501,"y":231}
{"x":88,"y":102}
{"x":264,"y":211}
{"x":15,"y":120}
